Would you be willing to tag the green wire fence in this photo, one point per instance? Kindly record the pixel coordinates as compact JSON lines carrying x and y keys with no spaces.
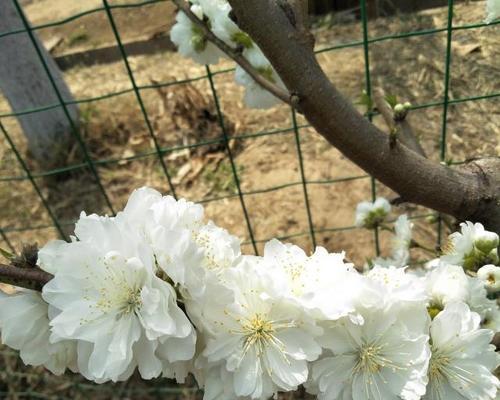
{"x":160,"y":152}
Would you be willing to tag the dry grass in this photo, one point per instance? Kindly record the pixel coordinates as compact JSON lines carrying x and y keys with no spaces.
{"x":412,"y":69}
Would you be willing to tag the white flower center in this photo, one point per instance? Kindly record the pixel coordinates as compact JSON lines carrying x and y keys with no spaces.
{"x":260,"y":332}
{"x":370,"y":359}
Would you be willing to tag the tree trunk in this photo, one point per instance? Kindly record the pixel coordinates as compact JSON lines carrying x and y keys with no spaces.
{"x":26,"y":85}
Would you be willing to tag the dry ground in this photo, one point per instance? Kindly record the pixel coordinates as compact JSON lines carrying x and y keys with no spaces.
{"x":411,"y":68}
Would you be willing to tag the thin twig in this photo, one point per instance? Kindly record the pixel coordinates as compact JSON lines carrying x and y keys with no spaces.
{"x":28,"y":278}
{"x":234,"y":54}
{"x":399,"y":127}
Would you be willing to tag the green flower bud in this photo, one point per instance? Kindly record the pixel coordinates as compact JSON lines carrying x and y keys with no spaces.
{"x":486,"y":242}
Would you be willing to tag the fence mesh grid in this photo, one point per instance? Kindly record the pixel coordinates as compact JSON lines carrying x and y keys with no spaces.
{"x":159,"y":152}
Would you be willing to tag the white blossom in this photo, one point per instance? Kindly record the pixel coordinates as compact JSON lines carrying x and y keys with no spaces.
{"x":323,"y":283}
{"x":191,"y":41}
{"x":384,"y":358}
{"x":264,"y":340}
{"x":449,"y":283}
{"x":492,"y":10}
{"x":111,"y":301}
{"x":472,"y":247}
{"x":24,"y":325}
{"x":255,"y":95}
{"x":370,"y":214}
{"x":399,"y":285}
{"x":401,"y":242}
{"x":490,"y":276}
{"x":462,"y":359}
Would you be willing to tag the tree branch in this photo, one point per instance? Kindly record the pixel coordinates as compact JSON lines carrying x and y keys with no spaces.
{"x":235,"y":54}
{"x":28,"y":278}
{"x":401,"y":127}
{"x":463,"y":193}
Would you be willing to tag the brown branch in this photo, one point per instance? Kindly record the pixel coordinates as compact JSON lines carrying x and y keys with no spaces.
{"x":235,"y":54}
{"x":401,"y":127}
{"x":28,"y":278}
{"x":459,"y":192}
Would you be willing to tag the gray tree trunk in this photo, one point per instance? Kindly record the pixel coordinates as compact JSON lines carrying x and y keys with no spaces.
{"x":26,"y":85}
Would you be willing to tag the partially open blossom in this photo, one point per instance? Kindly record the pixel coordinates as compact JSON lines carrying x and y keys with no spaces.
{"x":472,"y":247}
{"x":191,"y":41}
{"x":490,"y":276}
{"x":369,"y":214}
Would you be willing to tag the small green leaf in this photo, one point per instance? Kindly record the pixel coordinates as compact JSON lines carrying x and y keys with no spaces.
{"x":392,"y":99}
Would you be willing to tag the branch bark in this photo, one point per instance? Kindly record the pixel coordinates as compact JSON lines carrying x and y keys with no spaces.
{"x":463,"y":193}
{"x":28,"y":278}
{"x":234,"y":54}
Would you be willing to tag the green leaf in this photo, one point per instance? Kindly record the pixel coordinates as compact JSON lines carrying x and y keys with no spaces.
{"x":392,"y":100}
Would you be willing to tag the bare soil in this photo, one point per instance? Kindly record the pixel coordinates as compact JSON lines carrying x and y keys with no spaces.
{"x":114,"y":128}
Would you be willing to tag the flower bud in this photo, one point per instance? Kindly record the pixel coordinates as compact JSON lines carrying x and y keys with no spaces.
{"x":399,"y":108}
{"x":490,"y":276}
{"x":486,"y":241}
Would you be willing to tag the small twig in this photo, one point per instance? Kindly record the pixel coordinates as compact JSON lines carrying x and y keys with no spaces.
{"x":234,"y":54}
{"x":28,"y":278}
{"x":399,"y":128}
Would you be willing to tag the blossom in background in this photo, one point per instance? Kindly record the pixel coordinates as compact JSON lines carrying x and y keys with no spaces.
{"x":472,"y":247}
{"x":384,"y":358}
{"x":401,"y":242}
{"x":490,"y":276}
{"x":462,"y":359}
{"x":492,"y":10}
{"x":255,"y":95}
{"x":191,"y":41}
{"x":263,"y":339}
{"x":110,"y":300}
{"x":24,"y":323}
{"x":369,"y":215}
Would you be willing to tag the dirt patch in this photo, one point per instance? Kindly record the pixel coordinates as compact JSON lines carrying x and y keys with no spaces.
{"x":114,"y":128}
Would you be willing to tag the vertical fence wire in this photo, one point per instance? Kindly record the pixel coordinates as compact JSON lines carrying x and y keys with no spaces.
{"x":446,"y":99}
{"x":63,"y":105}
{"x":310,"y":223}
{"x":366,"y":52}
{"x":234,"y":170}
{"x":139,"y":98}
{"x":38,"y":191}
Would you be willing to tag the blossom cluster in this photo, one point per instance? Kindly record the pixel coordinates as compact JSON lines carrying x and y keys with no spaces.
{"x":160,"y":290}
{"x":192,"y":43}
